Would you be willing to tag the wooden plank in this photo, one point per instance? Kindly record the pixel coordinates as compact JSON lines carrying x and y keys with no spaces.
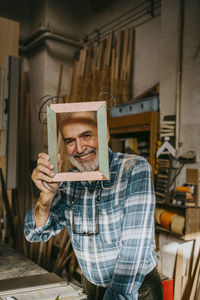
{"x":9,"y":39}
{"x":124,"y":54}
{"x":59,"y":80}
{"x":178,"y":274}
{"x":185,"y":280}
{"x":52,"y":138}
{"x":130,"y":54}
{"x":108,"y":50}
{"x":76,"y":107}
{"x":13,"y":119}
{"x":100,"y":54}
{"x":132,"y":120}
{"x":102,"y":141}
{"x":24,"y":194}
{"x":197,"y":296}
{"x":195,"y":281}
{"x":192,"y":218}
{"x":192,"y":177}
{"x":112,"y":80}
{"x":7,"y":206}
{"x":83,"y":61}
{"x":78,"y":176}
{"x":70,"y":84}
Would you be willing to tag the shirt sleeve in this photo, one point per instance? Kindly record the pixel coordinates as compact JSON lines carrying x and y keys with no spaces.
{"x":55,"y":222}
{"x":135,"y":258}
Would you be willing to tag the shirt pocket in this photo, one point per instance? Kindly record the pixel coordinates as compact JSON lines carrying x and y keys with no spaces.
{"x":110,"y":224}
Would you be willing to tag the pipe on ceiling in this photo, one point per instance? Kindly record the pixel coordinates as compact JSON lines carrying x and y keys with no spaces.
{"x":147,"y":9}
{"x":39,"y":38}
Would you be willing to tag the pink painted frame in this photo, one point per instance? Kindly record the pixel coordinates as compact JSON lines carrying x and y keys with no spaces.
{"x":103,"y":173}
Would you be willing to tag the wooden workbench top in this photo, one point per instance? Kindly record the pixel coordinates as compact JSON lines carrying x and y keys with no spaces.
{"x":14,"y":264}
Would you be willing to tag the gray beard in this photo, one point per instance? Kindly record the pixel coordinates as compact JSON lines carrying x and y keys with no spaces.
{"x":85,"y":166}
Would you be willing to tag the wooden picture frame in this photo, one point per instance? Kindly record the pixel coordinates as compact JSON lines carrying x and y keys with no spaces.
{"x":100,"y":108}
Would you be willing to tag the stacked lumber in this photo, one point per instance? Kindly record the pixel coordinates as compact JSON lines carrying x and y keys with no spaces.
{"x":187,"y":279}
{"x":103,"y":67}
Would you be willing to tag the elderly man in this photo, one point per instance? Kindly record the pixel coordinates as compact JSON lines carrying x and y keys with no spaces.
{"x":110,"y":223}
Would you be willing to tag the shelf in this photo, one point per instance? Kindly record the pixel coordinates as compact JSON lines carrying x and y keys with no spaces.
{"x":132,"y":125}
{"x":185,"y":237}
{"x":191,"y":215}
{"x":175,"y":205}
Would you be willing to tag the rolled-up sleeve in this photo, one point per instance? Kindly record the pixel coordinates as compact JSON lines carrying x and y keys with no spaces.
{"x":54,"y":224}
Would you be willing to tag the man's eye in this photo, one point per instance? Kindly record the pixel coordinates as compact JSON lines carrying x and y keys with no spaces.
{"x":69,"y":142}
{"x":87,"y":136}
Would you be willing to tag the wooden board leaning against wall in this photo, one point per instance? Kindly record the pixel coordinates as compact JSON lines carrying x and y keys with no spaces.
{"x":9,"y":40}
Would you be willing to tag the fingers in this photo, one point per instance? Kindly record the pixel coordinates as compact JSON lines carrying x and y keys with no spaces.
{"x":43,"y":155}
{"x":44,"y":173}
{"x":37,"y":175}
{"x":43,"y":159}
{"x":59,"y":163}
{"x":44,"y":169}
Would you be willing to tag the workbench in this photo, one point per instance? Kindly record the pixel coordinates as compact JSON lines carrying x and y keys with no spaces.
{"x":23,"y":279}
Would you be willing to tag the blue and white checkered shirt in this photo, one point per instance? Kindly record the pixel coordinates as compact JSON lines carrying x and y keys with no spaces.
{"x":122,"y":209}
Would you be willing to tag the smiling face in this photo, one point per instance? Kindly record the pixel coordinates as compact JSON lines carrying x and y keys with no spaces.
{"x":79,"y":132}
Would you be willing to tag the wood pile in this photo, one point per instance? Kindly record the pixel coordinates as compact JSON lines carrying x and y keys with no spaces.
{"x":103,"y":67}
{"x":187,"y":274}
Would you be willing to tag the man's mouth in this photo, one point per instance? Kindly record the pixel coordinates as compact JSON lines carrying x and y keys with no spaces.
{"x":86,"y":155}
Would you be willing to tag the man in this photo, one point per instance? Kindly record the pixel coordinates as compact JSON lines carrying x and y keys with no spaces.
{"x":110,"y":223}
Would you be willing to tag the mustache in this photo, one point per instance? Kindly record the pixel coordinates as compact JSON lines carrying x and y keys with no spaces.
{"x":87,"y":151}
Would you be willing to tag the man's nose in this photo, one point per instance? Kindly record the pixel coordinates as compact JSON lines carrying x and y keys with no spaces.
{"x":80,"y":146}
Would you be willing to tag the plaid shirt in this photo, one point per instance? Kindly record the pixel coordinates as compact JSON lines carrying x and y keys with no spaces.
{"x":122,"y":209}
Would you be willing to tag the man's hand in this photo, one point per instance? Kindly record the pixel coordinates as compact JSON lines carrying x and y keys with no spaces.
{"x":44,"y":172}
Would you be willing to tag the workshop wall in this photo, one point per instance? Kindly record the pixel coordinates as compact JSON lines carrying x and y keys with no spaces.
{"x":181,"y":56}
{"x":147,"y":56}
{"x":190,"y":104}
{"x":156,"y":57}
{"x":19,"y":12}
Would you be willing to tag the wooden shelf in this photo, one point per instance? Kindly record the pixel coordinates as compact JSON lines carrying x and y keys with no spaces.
{"x":175,"y":205}
{"x":192,"y":219}
{"x":185,"y":237}
{"x":134,"y":124}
